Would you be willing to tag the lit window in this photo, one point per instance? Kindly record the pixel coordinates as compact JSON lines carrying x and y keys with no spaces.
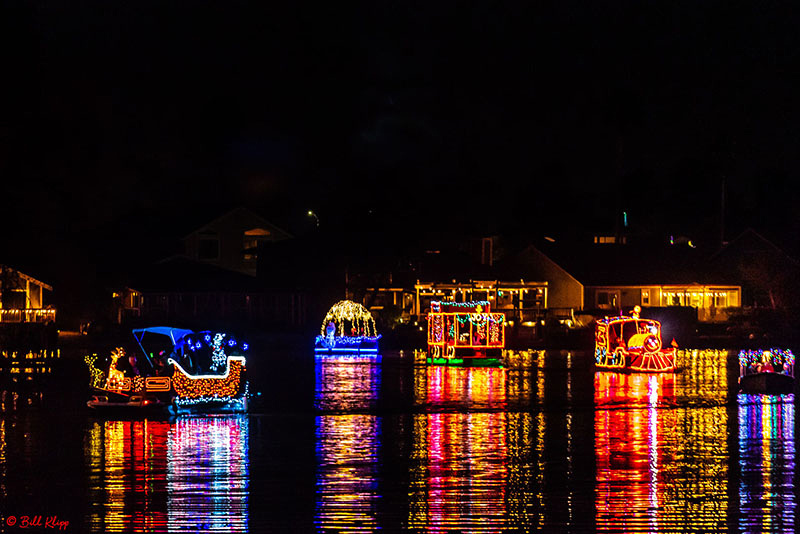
{"x":607,"y":239}
{"x":645,"y":297}
{"x":252,"y":239}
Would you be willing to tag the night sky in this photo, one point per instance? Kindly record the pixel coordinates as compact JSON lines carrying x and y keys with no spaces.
{"x":126,"y":121}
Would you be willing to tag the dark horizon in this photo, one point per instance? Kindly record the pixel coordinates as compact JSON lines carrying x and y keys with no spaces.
{"x":126,"y":122}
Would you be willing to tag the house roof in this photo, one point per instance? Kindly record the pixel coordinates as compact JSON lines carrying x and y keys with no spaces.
{"x":279,"y":232}
{"x":183,"y":275}
{"x":27,"y":277}
{"x":636,"y":264}
{"x":750,"y":240}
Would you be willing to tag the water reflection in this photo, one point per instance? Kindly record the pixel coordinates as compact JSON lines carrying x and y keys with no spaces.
{"x":661,"y":465}
{"x":347,"y":444}
{"x":208,"y":474}
{"x":127,"y":468}
{"x":627,"y":430}
{"x":767,"y":502}
{"x":553,"y":446}
{"x":344,"y":384}
{"x":189,"y":475}
{"x":11,"y":401}
{"x":469,"y":471}
{"x":443,"y":387}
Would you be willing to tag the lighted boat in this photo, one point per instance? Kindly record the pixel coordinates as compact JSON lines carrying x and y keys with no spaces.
{"x":465,"y":333}
{"x":347,"y":317}
{"x":632,"y":343}
{"x":198,"y":372}
{"x":766,"y":371}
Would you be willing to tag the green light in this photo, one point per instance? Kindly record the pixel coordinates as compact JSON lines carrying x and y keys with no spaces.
{"x":445,"y":361}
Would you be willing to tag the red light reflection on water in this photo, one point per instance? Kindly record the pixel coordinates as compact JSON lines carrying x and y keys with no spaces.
{"x":460,"y":471}
{"x":156,"y":476}
{"x":473,"y":387}
{"x":628,"y":432}
{"x":127,"y":462}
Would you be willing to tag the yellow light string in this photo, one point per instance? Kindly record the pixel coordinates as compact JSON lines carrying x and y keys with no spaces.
{"x":356,"y":314}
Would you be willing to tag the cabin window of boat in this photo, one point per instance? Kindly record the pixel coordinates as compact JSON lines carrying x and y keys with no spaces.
{"x":208,"y":248}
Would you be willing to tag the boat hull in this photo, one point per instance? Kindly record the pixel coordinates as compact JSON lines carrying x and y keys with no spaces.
{"x":238,"y":405}
{"x":130,"y":407}
{"x":766,"y":383}
{"x":467,"y":362}
{"x":346,"y":345}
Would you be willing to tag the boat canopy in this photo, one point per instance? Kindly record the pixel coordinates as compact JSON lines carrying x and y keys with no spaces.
{"x":175,"y":334}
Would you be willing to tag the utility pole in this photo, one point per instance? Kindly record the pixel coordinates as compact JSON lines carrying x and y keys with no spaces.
{"x":722,"y":216}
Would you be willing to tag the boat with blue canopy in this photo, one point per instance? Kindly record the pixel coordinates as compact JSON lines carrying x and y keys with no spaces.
{"x":175,"y":370}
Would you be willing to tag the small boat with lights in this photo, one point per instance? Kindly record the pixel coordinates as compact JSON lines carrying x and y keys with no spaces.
{"x":768,"y":371}
{"x":465,"y":333}
{"x":631,"y":343}
{"x":185,"y":372}
{"x":347,"y":317}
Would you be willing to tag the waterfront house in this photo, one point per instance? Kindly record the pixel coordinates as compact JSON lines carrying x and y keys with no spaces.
{"x":212,"y":279}
{"x":187,"y":292}
{"x":27,"y":319}
{"x":617,"y":276}
{"x":768,"y":275}
{"x":232,"y":241}
{"x":23,"y":298}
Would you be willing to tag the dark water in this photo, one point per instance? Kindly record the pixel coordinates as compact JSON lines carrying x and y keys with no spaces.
{"x":358,"y":445}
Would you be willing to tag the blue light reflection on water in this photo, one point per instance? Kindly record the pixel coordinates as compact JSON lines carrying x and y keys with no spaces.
{"x":207,"y":474}
{"x":347,"y":443}
{"x":767,"y":501}
{"x":362,"y":445}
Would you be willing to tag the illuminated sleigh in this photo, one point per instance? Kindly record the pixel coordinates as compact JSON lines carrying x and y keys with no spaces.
{"x":631,"y":343}
{"x":220,"y":387}
{"x":347,"y":317}
{"x":465,"y":332}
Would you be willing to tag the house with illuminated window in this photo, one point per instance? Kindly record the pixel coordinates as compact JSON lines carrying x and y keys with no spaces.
{"x":521,"y":301}
{"x":23,"y":298}
{"x":27,"y":319}
{"x":182,"y":291}
{"x":212,"y":277}
{"x":232,"y":241}
{"x":613,"y":276}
